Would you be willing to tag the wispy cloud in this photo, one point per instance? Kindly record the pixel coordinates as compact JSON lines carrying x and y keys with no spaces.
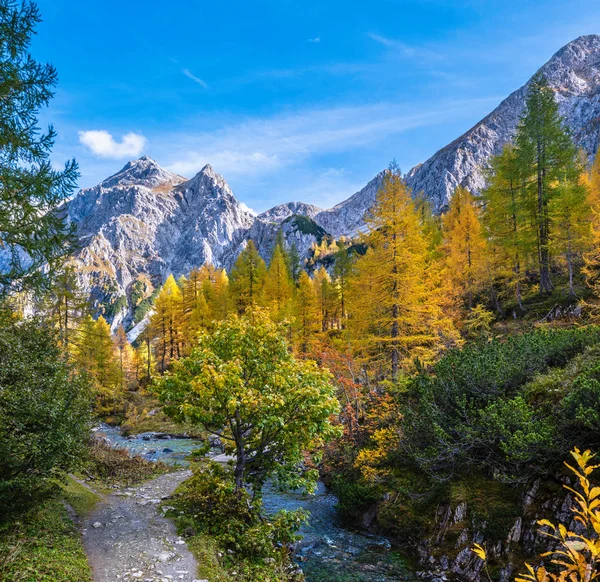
{"x":262,"y":146}
{"x":404,"y":49}
{"x":102,"y":144}
{"x":316,"y":39}
{"x":193,"y":77}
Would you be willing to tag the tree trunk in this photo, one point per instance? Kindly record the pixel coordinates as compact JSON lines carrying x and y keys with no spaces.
{"x":394,"y":334}
{"x":546,"y":285}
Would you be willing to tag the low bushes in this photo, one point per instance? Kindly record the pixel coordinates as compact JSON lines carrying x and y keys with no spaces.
{"x":254,"y":546}
{"x":474,"y":409}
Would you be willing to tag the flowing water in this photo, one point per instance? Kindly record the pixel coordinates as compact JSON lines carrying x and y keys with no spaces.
{"x":328,"y":552}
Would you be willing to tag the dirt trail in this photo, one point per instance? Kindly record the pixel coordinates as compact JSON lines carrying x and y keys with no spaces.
{"x":127,"y":537}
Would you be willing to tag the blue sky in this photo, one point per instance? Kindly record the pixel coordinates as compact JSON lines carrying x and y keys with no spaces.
{"x":288,"y":100}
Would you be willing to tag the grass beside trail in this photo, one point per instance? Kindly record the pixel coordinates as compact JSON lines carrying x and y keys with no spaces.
{"x":80,"y":498}
{"x":43,"y":546}
{"x":206,"y":552}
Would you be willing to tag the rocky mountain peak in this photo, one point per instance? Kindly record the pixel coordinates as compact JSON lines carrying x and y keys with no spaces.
{"x":573,"y":73}
{"x":142,"y":172}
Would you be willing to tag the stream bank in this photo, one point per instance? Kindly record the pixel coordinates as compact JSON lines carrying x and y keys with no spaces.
{"x":328,"y":552}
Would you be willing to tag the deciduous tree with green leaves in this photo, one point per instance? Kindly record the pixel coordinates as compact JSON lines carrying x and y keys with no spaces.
{"x":242,"y":383}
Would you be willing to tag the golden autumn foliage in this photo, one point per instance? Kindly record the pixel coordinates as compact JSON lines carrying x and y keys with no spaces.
{"x":396,"y":313}
{"x":465,"y":246}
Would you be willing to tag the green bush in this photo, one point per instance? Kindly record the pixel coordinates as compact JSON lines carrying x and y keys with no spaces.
{"x":472,"y":409}
{"x":255,"y":546}
{"x":44,"y":413}
{"x":354,"y":495}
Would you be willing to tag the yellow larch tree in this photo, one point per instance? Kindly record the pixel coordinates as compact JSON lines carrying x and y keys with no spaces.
{"x":195,"y":307}
{"x":166,"y":324}
{"x":395,"y":314}
{"x":307,"y":320}
{"x":464,"y":246}
{"x":247,"y":279}
{"x":277,"y":292}
{"x":591,"y":267}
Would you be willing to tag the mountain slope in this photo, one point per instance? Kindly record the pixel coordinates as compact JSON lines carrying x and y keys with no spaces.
{"x":143,"y":223}
{"x":348,"y":217}
{"x":573,"y":73}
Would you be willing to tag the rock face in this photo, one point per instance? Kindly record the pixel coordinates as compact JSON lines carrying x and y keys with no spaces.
{"x":144,"y":222}
{"x":446,"y":551}
{"x":574,"y":75}
{"x":347,"y":218}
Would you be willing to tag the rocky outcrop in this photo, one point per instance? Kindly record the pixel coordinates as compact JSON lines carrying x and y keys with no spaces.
{"x":144,"y":222}
{"x":446,"y":553}
{"x":574,"y":75}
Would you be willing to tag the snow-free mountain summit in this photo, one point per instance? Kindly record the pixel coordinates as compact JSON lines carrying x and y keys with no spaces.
{"x":145,"y":222}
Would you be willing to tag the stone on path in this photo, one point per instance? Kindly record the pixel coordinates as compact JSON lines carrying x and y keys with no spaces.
{"x":138,"y":542}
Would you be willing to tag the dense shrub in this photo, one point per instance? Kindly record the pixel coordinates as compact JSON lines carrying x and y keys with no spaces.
{"x":473,"y":410}
{"x":44,"y":413}
{"x":254,"y":546}
{"x":116,"y":466}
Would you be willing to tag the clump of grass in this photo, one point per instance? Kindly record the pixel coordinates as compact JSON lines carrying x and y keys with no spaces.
{"x":80,"y":498}
{"x":111,"y":466}
{"x":206,"y":552}
{"x":42,"y":546}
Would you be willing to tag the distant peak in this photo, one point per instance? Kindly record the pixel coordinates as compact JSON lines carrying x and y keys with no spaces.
{"x":208,"y":172}
{"x":144,"y":171}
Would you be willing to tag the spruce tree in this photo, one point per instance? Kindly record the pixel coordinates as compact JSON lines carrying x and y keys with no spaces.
{"x":247,"y":279}
{"x":33,"y":233}
{"x":546,"y":156}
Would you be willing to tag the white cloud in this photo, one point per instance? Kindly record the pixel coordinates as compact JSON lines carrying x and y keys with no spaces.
{"x":316,"y":39}
{"x":193,"y":77}
{"x":261,"y":146}
{"x":406,"y":50}
{"x":103,"y":144}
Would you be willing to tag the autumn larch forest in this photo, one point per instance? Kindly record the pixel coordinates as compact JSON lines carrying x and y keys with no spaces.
{"x":435,"y":376}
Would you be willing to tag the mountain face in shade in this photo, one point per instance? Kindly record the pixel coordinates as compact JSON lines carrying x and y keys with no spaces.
{"x":574,"y":75}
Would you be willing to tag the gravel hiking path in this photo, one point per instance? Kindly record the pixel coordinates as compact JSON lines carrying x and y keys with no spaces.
{"x":127,"y":537}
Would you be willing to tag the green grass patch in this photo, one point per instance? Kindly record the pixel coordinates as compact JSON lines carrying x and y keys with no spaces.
{"x":206,"y":552}
{"x":43,"y":546}
{"x":80,"y":498}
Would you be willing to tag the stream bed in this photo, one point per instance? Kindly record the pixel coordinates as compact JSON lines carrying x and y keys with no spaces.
{"x":328,"y":552}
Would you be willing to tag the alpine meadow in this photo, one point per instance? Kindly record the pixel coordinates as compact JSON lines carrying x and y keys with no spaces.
{"x":403,"y":384}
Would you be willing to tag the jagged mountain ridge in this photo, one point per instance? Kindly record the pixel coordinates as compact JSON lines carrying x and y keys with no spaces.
{"x":574,"y":75}
{"x":146,"y":222}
